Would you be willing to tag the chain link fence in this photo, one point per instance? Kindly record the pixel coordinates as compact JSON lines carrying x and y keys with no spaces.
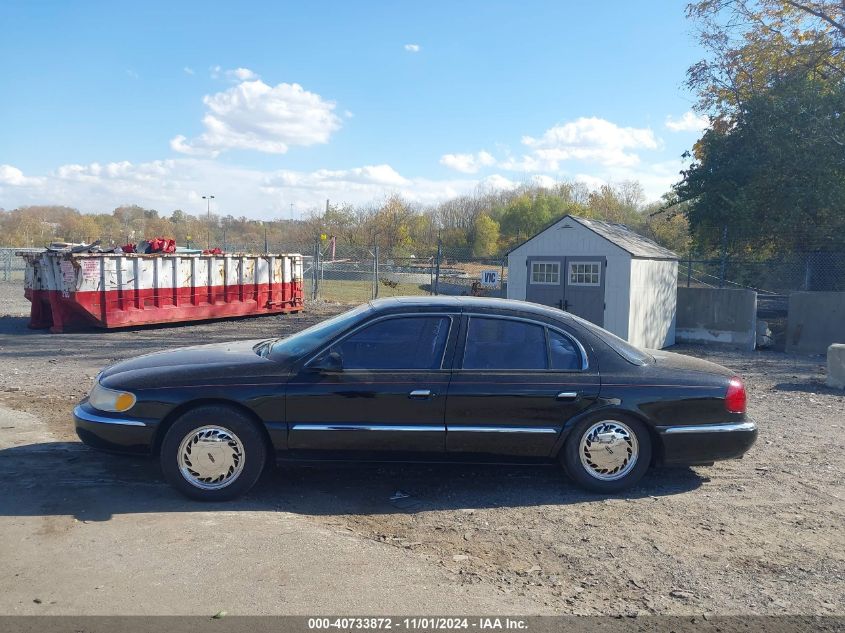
{"x":342,"y":273}
{"x":12,"y":267}
{"x":814,"y":271}
{"x":355,"y":275}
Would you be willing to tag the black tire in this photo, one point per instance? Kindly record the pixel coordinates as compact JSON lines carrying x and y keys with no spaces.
{"x":570,"y":456}
{"x":254,"y":451}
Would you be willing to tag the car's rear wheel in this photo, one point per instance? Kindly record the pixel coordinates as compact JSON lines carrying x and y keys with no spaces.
{"x":213,"y":453}
{"x":608,"y":453}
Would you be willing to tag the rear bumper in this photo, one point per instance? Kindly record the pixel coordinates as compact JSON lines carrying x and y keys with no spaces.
{"x":706,"y":443}
{"x":114,"y":433}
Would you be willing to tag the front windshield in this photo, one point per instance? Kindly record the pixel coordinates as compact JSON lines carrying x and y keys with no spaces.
{"x":310,"y":338}
{"x":631,"y":353}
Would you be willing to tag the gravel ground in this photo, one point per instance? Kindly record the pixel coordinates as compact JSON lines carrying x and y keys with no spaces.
{"x":760,"y":535}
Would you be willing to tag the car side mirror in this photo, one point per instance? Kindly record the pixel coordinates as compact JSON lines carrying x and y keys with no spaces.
{"x":331,"y":362}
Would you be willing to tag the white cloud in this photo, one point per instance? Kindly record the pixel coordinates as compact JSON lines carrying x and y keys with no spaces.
{"x":583,"y":141}
{"x":590,"y":140}
{"x":179,"y":143}
{"x":688,"y":122}
{"x":413,"y":48}
{"x":527,"y":164}
{"x":593,"y":182}
{"x":253,"y":115}
{"x":180,"y":183}
{"x":242,"y":74}
{"x":656,"y":178}
{"x":133,"y":74}
{"x":233,"y":74}
{"x":497,"y":182}
{"x":468,"y":163}
{"x":540,"y":180}
{"x":14,"y":177}
{"x":188,"y":70}
{"x":381,"y":175}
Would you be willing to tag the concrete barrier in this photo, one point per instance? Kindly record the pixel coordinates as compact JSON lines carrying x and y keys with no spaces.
{"x":836,"y":366}
{"x":717,"y":315}
{"x":816,"y":321}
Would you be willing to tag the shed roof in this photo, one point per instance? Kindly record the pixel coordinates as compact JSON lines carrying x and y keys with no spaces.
{"x":619,"y":234}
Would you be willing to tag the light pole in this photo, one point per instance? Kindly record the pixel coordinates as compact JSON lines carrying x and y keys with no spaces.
{"x":208,"y":198}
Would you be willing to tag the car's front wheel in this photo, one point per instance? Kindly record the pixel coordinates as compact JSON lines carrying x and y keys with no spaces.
{"x":608,"y":453}
{"x":213,"y":453}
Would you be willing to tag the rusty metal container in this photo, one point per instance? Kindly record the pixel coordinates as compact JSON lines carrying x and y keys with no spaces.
{"x":118,"y":290}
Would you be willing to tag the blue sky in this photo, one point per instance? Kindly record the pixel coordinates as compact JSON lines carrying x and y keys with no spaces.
{"x":267,"y":104}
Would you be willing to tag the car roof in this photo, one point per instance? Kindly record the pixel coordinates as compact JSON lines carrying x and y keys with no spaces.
{"x":464,"y":304}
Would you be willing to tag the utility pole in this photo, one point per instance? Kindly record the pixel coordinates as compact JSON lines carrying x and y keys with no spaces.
{"x":208,"y":199}
{"x":437,"y":270}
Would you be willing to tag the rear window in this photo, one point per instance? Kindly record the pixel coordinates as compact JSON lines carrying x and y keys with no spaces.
{"x":630,"y":353}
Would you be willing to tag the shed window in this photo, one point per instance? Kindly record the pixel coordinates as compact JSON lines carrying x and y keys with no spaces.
{"x":545,"y":272}
{"x":585,"y":274}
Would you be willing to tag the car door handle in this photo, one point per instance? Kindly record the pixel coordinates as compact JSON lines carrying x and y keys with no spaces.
{"x":567,"y":396}
{"x":420,"y":394}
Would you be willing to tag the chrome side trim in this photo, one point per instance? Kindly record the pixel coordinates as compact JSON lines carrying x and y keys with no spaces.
{"x":709,"y":428}
{"x":502,"y":429}
{"x":365,"y":427}
{"x":82,"y":414}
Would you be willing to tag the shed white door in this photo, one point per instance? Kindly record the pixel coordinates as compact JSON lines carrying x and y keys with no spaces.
{"x":574,"y":284}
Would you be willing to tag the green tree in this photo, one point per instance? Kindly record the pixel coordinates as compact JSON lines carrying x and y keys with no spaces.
{"x":532,"y":211}
{"x":486,"y":242}
{"x":776,"y":177}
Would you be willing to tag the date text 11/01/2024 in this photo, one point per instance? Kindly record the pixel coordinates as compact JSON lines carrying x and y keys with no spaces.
{"x":421,"y":623}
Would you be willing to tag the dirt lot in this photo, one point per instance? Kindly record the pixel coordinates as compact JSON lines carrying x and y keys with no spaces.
{"x":761,"y":535}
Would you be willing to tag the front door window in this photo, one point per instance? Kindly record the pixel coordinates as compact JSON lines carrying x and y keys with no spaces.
{"x":405,"y":343}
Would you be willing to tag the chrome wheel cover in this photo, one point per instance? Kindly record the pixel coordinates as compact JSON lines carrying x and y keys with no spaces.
{"x":609,"y":450}
{"x":211,"y":457}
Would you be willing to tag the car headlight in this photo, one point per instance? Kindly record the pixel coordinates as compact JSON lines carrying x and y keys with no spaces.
{"x":106,"y":399}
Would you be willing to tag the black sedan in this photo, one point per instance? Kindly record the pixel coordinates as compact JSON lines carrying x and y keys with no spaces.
{"x":428,"y":378}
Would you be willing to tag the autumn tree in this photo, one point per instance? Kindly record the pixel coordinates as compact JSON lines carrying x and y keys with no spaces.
{"x":753,"y":44}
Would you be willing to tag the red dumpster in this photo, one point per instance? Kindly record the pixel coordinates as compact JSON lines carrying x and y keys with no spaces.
{"x":117,"y":290}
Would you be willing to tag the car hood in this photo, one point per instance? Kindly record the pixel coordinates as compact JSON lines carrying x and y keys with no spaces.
{"x":198,"y":364}
{"x":680,"y":362}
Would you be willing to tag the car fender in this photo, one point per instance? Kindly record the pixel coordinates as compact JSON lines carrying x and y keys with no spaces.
{"x":612,"y":407}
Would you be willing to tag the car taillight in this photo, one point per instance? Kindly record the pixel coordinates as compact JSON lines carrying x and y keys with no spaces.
{"x":735,"y":398}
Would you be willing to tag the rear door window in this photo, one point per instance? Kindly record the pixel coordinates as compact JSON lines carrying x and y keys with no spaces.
{"x":504,"y":344}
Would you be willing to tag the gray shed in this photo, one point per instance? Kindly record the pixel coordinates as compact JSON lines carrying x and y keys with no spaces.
{"x":603,"y":272}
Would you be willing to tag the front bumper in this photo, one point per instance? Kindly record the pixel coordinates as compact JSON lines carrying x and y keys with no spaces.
{"x":706,"y":443}
{"x":113,"y":432}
